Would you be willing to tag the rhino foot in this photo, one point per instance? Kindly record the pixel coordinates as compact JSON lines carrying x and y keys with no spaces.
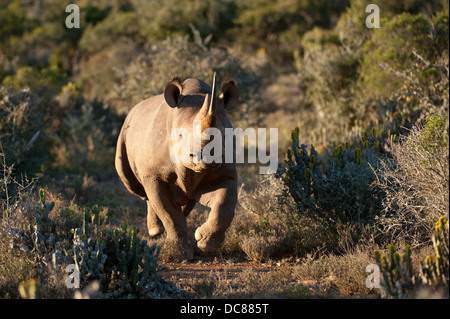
{"x":156,"y":230}
{"x":209,"y":242}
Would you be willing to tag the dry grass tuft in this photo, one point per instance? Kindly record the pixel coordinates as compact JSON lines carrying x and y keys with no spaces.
{"x":416,"y":183}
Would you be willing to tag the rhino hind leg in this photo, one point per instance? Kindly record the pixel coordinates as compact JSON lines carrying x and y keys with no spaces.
{"x":154,"y":224}
{"x":171,"y":217}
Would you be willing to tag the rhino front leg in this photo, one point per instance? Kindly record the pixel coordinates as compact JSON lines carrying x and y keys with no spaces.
{"x":154,"y":224}
{"x":211,"y":235}
{"x":171,"y":217}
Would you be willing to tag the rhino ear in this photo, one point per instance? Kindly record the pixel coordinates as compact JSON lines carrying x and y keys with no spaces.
{"x":230,"y":94}
{"x":173,"y":91}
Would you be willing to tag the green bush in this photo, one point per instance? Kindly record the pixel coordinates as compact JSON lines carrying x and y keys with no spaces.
{"x":155,"y":21}
{"x":277,"y":26}
{"x":354,"y":78}
{"x":404,"y":71}
{"x":395,"y":45}
{"x":174,"y":17}
{"x":338,"y":190}
{"x":434,"y":136}
{"x":109,"y":30}
{"x":12,"y":18}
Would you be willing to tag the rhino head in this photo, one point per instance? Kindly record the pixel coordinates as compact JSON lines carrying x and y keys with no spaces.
{"x":199,"y":121}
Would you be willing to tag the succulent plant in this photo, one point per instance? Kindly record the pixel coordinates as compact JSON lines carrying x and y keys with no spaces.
{"x":396,"y":272}
{"x":397,"y":279}
{"x":434,"y":270}
{"x":337,"y":188}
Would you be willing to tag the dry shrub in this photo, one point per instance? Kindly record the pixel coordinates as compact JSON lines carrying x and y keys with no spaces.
{"x":264,"y":284}
{"x":259,"y":247}
{"x":265,"y":223}
{"x":21,"y":130}
{"x":311,"y":270}
{"x":345,"y":273}
{"x":349,"y":272}
{"x":416,"y":183}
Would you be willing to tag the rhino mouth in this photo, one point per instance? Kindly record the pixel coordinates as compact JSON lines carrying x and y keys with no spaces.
{"x":202,"y":166}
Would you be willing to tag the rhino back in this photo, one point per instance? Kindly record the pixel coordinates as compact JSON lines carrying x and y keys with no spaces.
{"x":146,"y":137}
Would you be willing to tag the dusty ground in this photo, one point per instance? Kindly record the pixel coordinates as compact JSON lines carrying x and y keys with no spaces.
{"x":234,"y":276}
{"x":219,"y":276}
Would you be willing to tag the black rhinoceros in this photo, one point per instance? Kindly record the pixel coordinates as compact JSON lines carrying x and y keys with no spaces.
{"x":172,"y":184}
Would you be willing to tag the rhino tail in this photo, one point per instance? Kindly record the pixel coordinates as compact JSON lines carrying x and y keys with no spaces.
{"x":126,"y":173}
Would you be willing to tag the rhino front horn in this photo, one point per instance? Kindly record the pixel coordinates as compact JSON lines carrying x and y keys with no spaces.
{"x":212,"y":103}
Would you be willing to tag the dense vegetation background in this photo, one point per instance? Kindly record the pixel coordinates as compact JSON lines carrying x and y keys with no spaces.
{"x":367,"y":167}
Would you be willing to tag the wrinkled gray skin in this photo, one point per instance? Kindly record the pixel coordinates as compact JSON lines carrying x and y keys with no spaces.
{"x":172,"y":189}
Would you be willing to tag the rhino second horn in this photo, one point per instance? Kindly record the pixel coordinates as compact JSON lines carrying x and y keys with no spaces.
{"x":212,"y":104}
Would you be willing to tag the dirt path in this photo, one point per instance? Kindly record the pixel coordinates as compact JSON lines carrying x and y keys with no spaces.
{"x":202,"y":267}
{"x":231,"y":277}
